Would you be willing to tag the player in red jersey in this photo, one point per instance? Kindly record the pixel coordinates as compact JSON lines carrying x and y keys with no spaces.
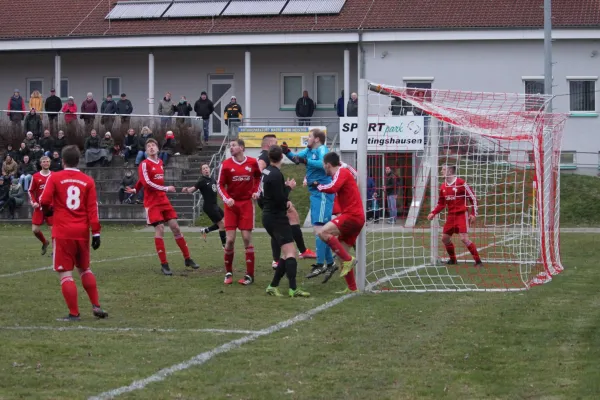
{"x":239,"y":180}
{"x":158,"y":207}
{"x":342,"y":231}
{"x":38,"y":182}
{"x":70,"y":195}
{"x":454,"y":194}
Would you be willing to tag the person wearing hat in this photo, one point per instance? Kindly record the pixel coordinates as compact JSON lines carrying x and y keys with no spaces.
{"x":166,"y":109}
{"x":53,"y":106}
{"x":29,"y":141}
{"x":89,"y":108}
{"x":16,"y":104}
{"x":183,"y":109}
{"x":124,"y":108}
{"x":204,"y":108}
{"x":109,"y":106}
{"x":108,"y":143}
{"x":33,"y":123}
{"x":233,"y":116}
{"x":70,"y":111}
{"x":11,"y":152}
{"x":168,"y":147}
{"x":16,"y":197}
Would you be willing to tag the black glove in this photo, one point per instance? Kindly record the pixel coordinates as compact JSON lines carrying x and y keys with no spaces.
{"x":315,"y":184}
{"x":48,"y":211}
{"x":95,"y":242}
{"x":285,"y":148}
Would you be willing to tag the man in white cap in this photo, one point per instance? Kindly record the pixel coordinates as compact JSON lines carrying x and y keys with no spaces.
{"x":233,"y":117}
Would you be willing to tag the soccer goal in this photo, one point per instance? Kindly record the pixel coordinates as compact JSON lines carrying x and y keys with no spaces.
{"x":505,"y":146}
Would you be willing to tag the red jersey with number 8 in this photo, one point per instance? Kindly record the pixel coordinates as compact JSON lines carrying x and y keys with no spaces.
{"x":73,"y":196}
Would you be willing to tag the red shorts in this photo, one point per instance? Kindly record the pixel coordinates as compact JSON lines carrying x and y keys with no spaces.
{"x":349,"y":226}
{"x":456,"y":223}
{"x":38,"y":218}
{"x":240,"y":216}
{"x":70,"y":253}
{"x":161,"y":213}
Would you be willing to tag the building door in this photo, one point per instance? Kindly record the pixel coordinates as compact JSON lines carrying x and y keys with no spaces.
{"x":220,"y":89}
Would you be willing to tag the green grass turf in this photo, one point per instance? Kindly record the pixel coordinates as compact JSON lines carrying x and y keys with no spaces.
{"x":539,"y":344}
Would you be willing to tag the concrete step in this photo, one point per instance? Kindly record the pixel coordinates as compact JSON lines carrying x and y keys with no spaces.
{"x":26,"y":221}
{"x":117,"y":173}
{"x":177,"y":199}
{"x":111,"y":211}
{"x":113,"y":185}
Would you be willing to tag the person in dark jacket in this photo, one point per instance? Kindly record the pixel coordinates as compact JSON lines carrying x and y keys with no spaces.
{"x":30,"y":140}
{"x":56,"y":162}
{"x":60,"y":142}
{"x":130,"y":146}
{"x":36,"y":155}
{"x":33,"y":124}
{"x":204,"y":108}
{"x":124,"y":108}
{"x":109,"y":106}
{"x":12,"y":153}
{"x":339,"y":107}
{"x":108,"y":143}
{"x":4,"y":189}
{"x":93,"y":151}
{"x":47,"y":143}
{"x":393,"y":185}
{"x":305,"y":108}
{"x":23,"y":151}
{"x":53,"y":106}
{"x":352,"y":110}
{"x":17,"y":105}
{"x":232,"y":114}
{"x":183,"y":109}
{"x":16,"y":198}
{"x":141,"y":155}
{"x":168,"y":147}
{"x":89,"y":108}
{"x":166,"y":109}
{"x":26,"y":171}
{"x":128,"y":182}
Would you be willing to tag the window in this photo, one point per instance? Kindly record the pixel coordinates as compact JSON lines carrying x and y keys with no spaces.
{"x":34,"y":84}
{"x":64,"y":88}
{"x":568,"y":158}
{"x":582,"y":94}
{"x":292,"y":86}
{"x":112,"y":86}
{"x":533,"y":88}
{"x":326,"y":90}
{"x":419,"y":83}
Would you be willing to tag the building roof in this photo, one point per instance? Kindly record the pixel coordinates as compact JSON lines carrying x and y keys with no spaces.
{"x":34,"y":19}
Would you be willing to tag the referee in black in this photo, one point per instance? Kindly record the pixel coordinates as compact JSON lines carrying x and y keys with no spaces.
{"x":275,"y":191}
{"x":207,"y":185}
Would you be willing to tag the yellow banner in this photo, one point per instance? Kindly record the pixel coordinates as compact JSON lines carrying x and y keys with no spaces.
{"x":294,"y":136}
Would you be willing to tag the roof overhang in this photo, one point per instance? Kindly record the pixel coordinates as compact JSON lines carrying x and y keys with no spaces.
{"x":261,"y":39}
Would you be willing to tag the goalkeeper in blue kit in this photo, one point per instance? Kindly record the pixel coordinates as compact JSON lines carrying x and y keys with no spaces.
{"x":321,"y":204}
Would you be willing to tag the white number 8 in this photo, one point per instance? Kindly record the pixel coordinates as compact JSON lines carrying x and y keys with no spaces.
{"x":73,"y":201}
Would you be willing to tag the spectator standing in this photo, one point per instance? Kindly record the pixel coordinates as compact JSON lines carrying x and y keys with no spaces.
{"x":10,"y":152}
{"x":141,"y":154}
{"x":10,"y":168}
{"x":305,"y":108}
{"x":60,"y":142}
{"x":130,"y":146}
{"x":16,"y":114}
{"x":33,"y":123}
{"x":128,"y":182}
{"x":89,"y":108}
{"x":109,"y":106}
{"x":233,"y":117}
{"x":204,"y":108}
{"x":36,"y":101}
{"x":70,"y":111}
{"x":392,"y":184}
{"x":352,"y":110}
{"x":166,"y":109}
{"x":26,"y":171}
{"x":339,"y":107}
{"x":108,"y":144}
{"x":16,"y":198}
{"x":23,"y":151}
{"x":30,"y":140}
{"x":4,"y":189}
{"x":182,"y":109}
{"x":47,"y":143}
{"x":93,"y":152}
{"x":168,"y":147}
{"x":124,"y":108}
{"x":53,"y":106}
{"x":56,"y":162}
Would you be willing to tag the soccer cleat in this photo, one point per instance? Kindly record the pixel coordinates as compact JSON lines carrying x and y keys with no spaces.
{"x":347,"y":266}
{"x":190,"y":263}
{"x":274,"y":264}
{"x":246,"y":280}
{"x":316,"y":271}
{"x":298,"y":293}
{"x":228,"y":278}
{"x":273,"y":291}
{"x":346,"y":291}
{"x":307,"y":254}
{"x":165,"y":269}
{"x":45,"y":247}
{"x":451,"y":262}
{"x":331,"y":268}
{"x":99,"y":312}
{"x":69,"y":318}
{"x":478,"y":264}
{"x":204,"y":233}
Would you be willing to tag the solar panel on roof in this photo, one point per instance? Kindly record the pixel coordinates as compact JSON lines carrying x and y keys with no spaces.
{"x":254,"y":7}
{"x":191,"y":8}
{"x":138,"y":9}
{"x":296,"y":7}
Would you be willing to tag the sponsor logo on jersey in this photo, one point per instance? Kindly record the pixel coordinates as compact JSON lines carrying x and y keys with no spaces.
{"x":450,"y":198}
{"x":247,"y":168}
{"x":241,"y":178}
{"x":159,"y":176}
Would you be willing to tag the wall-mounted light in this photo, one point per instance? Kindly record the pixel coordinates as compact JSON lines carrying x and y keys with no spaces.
{"x":384,"y":54}
{"x":594,"y":53}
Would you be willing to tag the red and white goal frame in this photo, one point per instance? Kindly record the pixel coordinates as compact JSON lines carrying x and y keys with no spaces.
{"x":507,"y":148}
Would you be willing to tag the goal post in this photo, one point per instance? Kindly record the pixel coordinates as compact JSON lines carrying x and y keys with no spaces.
{"x":505,"y":146}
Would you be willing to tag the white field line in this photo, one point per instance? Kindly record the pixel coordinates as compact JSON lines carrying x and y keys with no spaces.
{"x":116,"y":329}
{"x":27,"y":271}
{"x":202,"y":358}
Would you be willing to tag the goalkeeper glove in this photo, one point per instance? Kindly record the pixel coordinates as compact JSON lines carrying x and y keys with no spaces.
{"x":315,"y":184}
{"x":95,"y":242}
{"x":285,"y":148}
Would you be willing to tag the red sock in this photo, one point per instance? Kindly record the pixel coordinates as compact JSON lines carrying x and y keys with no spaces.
{"x":474,"y":252}
{"x":182,"y":246}
{"x":450,"y":250}
{"x":159,"y":243}
{"x":69,"y":291}
{"x":338,"y":249}
{"x":229,"y":260}
{"x":350,"y":281}
{"x":40,"y":237}
{"x":88,"y":280}
{"x":250,"y":261}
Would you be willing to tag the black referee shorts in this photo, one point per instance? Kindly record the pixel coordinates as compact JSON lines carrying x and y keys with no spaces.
{"x":279,"y":228}
{"x":214,"y":212}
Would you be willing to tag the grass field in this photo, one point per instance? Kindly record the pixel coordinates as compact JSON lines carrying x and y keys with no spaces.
{"x":539,"y":344}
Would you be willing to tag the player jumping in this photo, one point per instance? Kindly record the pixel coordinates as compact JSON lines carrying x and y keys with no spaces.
{"x":275,"y":191}
{"x":158,"y":207}
{"x":207,"y":186}
{"x":71,"y":196}
{"x":239,"y":180}
{"x":454,"y":194}
{"x":321,"y":204}
{"x":263,"y":162}
{"x":38,"y":182}
{"x":341,"y":233}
